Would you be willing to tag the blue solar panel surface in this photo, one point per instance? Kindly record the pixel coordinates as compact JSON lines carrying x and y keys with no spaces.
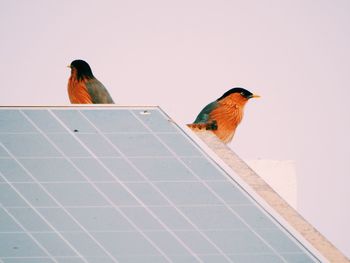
{"x":123,"y":185}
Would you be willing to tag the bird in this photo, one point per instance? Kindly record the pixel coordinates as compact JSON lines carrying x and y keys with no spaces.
{"x":83,"y":87}
{"x":223,"y":115}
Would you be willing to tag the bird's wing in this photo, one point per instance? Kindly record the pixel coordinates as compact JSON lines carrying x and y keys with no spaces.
{"x":204,"y":115}
{"x":98,"y":92}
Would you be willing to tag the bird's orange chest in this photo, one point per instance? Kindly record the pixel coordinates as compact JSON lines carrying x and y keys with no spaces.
{"x":227,"y":115}
{"x":78,"y":92}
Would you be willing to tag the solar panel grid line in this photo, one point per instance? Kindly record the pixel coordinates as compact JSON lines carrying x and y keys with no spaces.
{"x":38,"y":258}
{"x":25,"y":230}
{"x":106,"y":182}
{"x":128,"y":190}
{"x":108,"y":133}
{"x":128,"y":231}
{"x":16,"y":133}
{"x":163,"y":157}
{"x":57,"y":202}
{"x":178,"y":230}
{"x":162,"y":194}
{"x":146,"y":231}
{"x":35,"y":158}
{"x":103,"y":157}
{"x":125,"y":181}
{"x":126,"y":206}
{"x":35,"y":209}
{"x":212,"y":191}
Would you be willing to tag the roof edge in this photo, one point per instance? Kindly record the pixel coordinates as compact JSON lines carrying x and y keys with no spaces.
{"x":263,"y":190}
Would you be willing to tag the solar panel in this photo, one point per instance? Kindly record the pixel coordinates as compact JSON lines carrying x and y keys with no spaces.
{"x":114,"y":184}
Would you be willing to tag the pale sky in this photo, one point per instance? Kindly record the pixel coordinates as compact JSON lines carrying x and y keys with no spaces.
{"x":183,"y":54}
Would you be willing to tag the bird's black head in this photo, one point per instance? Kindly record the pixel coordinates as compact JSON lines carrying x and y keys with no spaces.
{"x":245,"y":93}
{"x":83,"y":69}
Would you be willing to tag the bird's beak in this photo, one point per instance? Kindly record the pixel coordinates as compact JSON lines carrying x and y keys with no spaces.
{"x":255,"y":96}
{"x":68,"y":66}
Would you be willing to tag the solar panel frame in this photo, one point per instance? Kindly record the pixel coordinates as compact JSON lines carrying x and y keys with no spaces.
{"x":175,"y":152}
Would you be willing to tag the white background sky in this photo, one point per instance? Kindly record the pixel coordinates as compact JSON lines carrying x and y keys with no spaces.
{"x":182,"y":54}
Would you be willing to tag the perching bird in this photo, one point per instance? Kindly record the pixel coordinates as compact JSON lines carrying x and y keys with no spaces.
{"x":84,"y":88}
{"x":223,"y":115}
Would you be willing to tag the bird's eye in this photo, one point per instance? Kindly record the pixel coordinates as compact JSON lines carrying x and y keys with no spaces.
{"x":243,"y":94}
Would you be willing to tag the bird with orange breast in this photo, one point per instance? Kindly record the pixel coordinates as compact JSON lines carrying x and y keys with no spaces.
{"x":223,"y":115}
{"x":84,"y":88}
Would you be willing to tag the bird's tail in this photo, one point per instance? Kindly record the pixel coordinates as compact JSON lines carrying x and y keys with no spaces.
{"x":212,"y":126}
